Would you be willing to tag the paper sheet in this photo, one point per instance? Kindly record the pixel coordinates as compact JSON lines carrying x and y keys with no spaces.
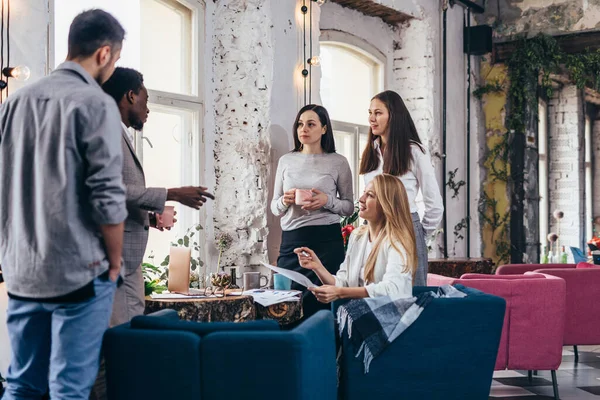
{"x":293,"y":275}
{"x":268,"y":297}
{"x":171,"y":296}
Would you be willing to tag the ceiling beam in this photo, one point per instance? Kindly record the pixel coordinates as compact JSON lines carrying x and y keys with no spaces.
{"x":571,"y":43}
{"x":369,"y":7}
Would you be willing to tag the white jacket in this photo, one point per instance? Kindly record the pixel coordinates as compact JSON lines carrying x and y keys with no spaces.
{"x":389,"y":278}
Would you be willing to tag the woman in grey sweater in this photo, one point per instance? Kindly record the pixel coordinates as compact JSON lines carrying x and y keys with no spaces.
{"x":313,"y":188}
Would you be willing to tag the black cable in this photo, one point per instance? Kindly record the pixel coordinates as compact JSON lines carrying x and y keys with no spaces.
{"x":469,"y":133}
{"x":444,"y":112}
{"x":304,"y":49}
{"x":7,"y":40}
{"x":311,"y":55}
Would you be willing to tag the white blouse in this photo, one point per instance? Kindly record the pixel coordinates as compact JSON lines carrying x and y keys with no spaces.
{"x":420,"y":176}
{"x":389,"y":276}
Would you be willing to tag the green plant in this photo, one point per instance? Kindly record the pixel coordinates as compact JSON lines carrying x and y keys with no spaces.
{"x":154,"y":277}
{"x":189,"y":239}
{"x":454,"y":185}
{"x":224,"y":241}
{"x":350,"y":220}
{"x":431,"y":240}
{"x":154,"y":282}
{"x":529,"y":72}
{"x":461,"y":226}
{"x":490,"y":87}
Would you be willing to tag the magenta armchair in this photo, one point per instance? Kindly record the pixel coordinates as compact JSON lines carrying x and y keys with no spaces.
{"x":534,"y":322}
{"x":583,"y":291}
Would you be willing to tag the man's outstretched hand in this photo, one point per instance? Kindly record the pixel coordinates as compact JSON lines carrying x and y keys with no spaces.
{"x":191,"y":196}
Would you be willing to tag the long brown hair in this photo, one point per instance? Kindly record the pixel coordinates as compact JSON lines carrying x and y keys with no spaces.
{"x":398,"y":228}
{"x":397,"y":155}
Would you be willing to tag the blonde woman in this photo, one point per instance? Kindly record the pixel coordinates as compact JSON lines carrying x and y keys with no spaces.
{"x":382,"y":256}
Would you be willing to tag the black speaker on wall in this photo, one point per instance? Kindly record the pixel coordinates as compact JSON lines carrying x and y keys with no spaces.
{"x":477,"y":40}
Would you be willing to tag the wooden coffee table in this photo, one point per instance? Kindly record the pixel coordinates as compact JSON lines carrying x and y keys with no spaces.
{"x":210,"y":309}
{"x":455,"y":267}
{"x":227,"y":309}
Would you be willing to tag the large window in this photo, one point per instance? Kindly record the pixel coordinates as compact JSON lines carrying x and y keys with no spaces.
{"x":163,"y":43}
{"x":350,"y":78}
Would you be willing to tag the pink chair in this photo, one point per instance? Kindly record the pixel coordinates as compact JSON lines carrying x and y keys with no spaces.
{"x":534,"y":322}
{"x":582,"y":325}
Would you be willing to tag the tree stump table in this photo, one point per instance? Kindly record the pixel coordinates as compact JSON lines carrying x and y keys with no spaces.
{"x":284,"y":313}
{"x":227,"y":309}
{"x":209,"y":309}
{"x":455,"y":267}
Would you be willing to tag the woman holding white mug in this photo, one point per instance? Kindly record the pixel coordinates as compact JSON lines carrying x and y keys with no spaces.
{"x":313,"y":188}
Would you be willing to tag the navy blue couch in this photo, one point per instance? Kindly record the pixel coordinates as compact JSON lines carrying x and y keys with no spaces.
{"x":158,"y":357}
{"x":448,"y":353}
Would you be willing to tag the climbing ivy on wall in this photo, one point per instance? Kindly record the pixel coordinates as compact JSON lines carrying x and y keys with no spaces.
{"x":529,"y":72}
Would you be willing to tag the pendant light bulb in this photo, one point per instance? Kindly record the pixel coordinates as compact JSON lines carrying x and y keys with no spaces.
{"x":315,"y":61}
{"x":20,"y":72}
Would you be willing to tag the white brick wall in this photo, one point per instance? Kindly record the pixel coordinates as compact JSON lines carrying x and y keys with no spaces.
{"x":414,"y":72}
{"x":242,"y":76}
{"x":566,"y":156}
{"x":596,"y":168}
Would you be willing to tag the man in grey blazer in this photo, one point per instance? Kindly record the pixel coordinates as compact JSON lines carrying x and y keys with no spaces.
{"x":126,"y":86}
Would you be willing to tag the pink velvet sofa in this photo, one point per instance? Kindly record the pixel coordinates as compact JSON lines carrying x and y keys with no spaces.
{"x":582,"y":326}
{"x":534,"y":322}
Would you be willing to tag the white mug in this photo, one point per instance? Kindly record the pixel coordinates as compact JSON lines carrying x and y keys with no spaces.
{"x":251,"y":280}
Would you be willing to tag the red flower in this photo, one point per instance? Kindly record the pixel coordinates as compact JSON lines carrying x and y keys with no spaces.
{"x":346,"y":231}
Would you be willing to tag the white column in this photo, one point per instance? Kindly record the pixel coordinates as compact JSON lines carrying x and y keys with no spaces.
{"x":566,"y":158}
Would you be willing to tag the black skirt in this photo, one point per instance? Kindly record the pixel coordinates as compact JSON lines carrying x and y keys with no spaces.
{"x":326,"y":241}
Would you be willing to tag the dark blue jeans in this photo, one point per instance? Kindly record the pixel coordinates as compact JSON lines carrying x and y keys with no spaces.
{"x":56,"y":345}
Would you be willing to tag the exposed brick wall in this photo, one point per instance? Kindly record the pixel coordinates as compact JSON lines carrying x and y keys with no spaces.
{"x":566,"y":161}
{"x":413,"y":74}
{"x":596,"y":168}
{"x":242,"y":76}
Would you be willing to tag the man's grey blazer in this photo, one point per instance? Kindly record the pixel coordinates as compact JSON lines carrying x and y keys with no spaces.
{"x":140,"y":201}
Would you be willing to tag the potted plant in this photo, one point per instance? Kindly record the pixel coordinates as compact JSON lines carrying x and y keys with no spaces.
{"x":154,"y":279}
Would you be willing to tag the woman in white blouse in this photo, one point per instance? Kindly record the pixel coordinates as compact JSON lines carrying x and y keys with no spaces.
{"x":394,"y":147}
{"x":382,"y":257}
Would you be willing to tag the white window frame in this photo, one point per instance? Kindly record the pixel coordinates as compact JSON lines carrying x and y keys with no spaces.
{"x":357,"y":131}
{"x":357,"y":45}
{"x":193,"y":103}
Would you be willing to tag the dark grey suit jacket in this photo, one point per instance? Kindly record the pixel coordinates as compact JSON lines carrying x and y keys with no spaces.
{"x":140,"y":201}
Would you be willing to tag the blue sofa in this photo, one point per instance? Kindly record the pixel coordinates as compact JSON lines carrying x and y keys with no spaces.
{"x":158,"y":357}
{"x":448,"y":353}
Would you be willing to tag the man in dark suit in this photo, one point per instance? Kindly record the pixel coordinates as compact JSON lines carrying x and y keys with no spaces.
{"x":126,"y":86}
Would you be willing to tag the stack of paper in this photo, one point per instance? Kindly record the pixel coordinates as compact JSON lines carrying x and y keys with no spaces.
{"x":269,"y":297}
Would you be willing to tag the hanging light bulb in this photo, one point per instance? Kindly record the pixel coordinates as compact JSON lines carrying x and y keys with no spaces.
{"x":20,"y":72}
{"x":315,"y":61}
